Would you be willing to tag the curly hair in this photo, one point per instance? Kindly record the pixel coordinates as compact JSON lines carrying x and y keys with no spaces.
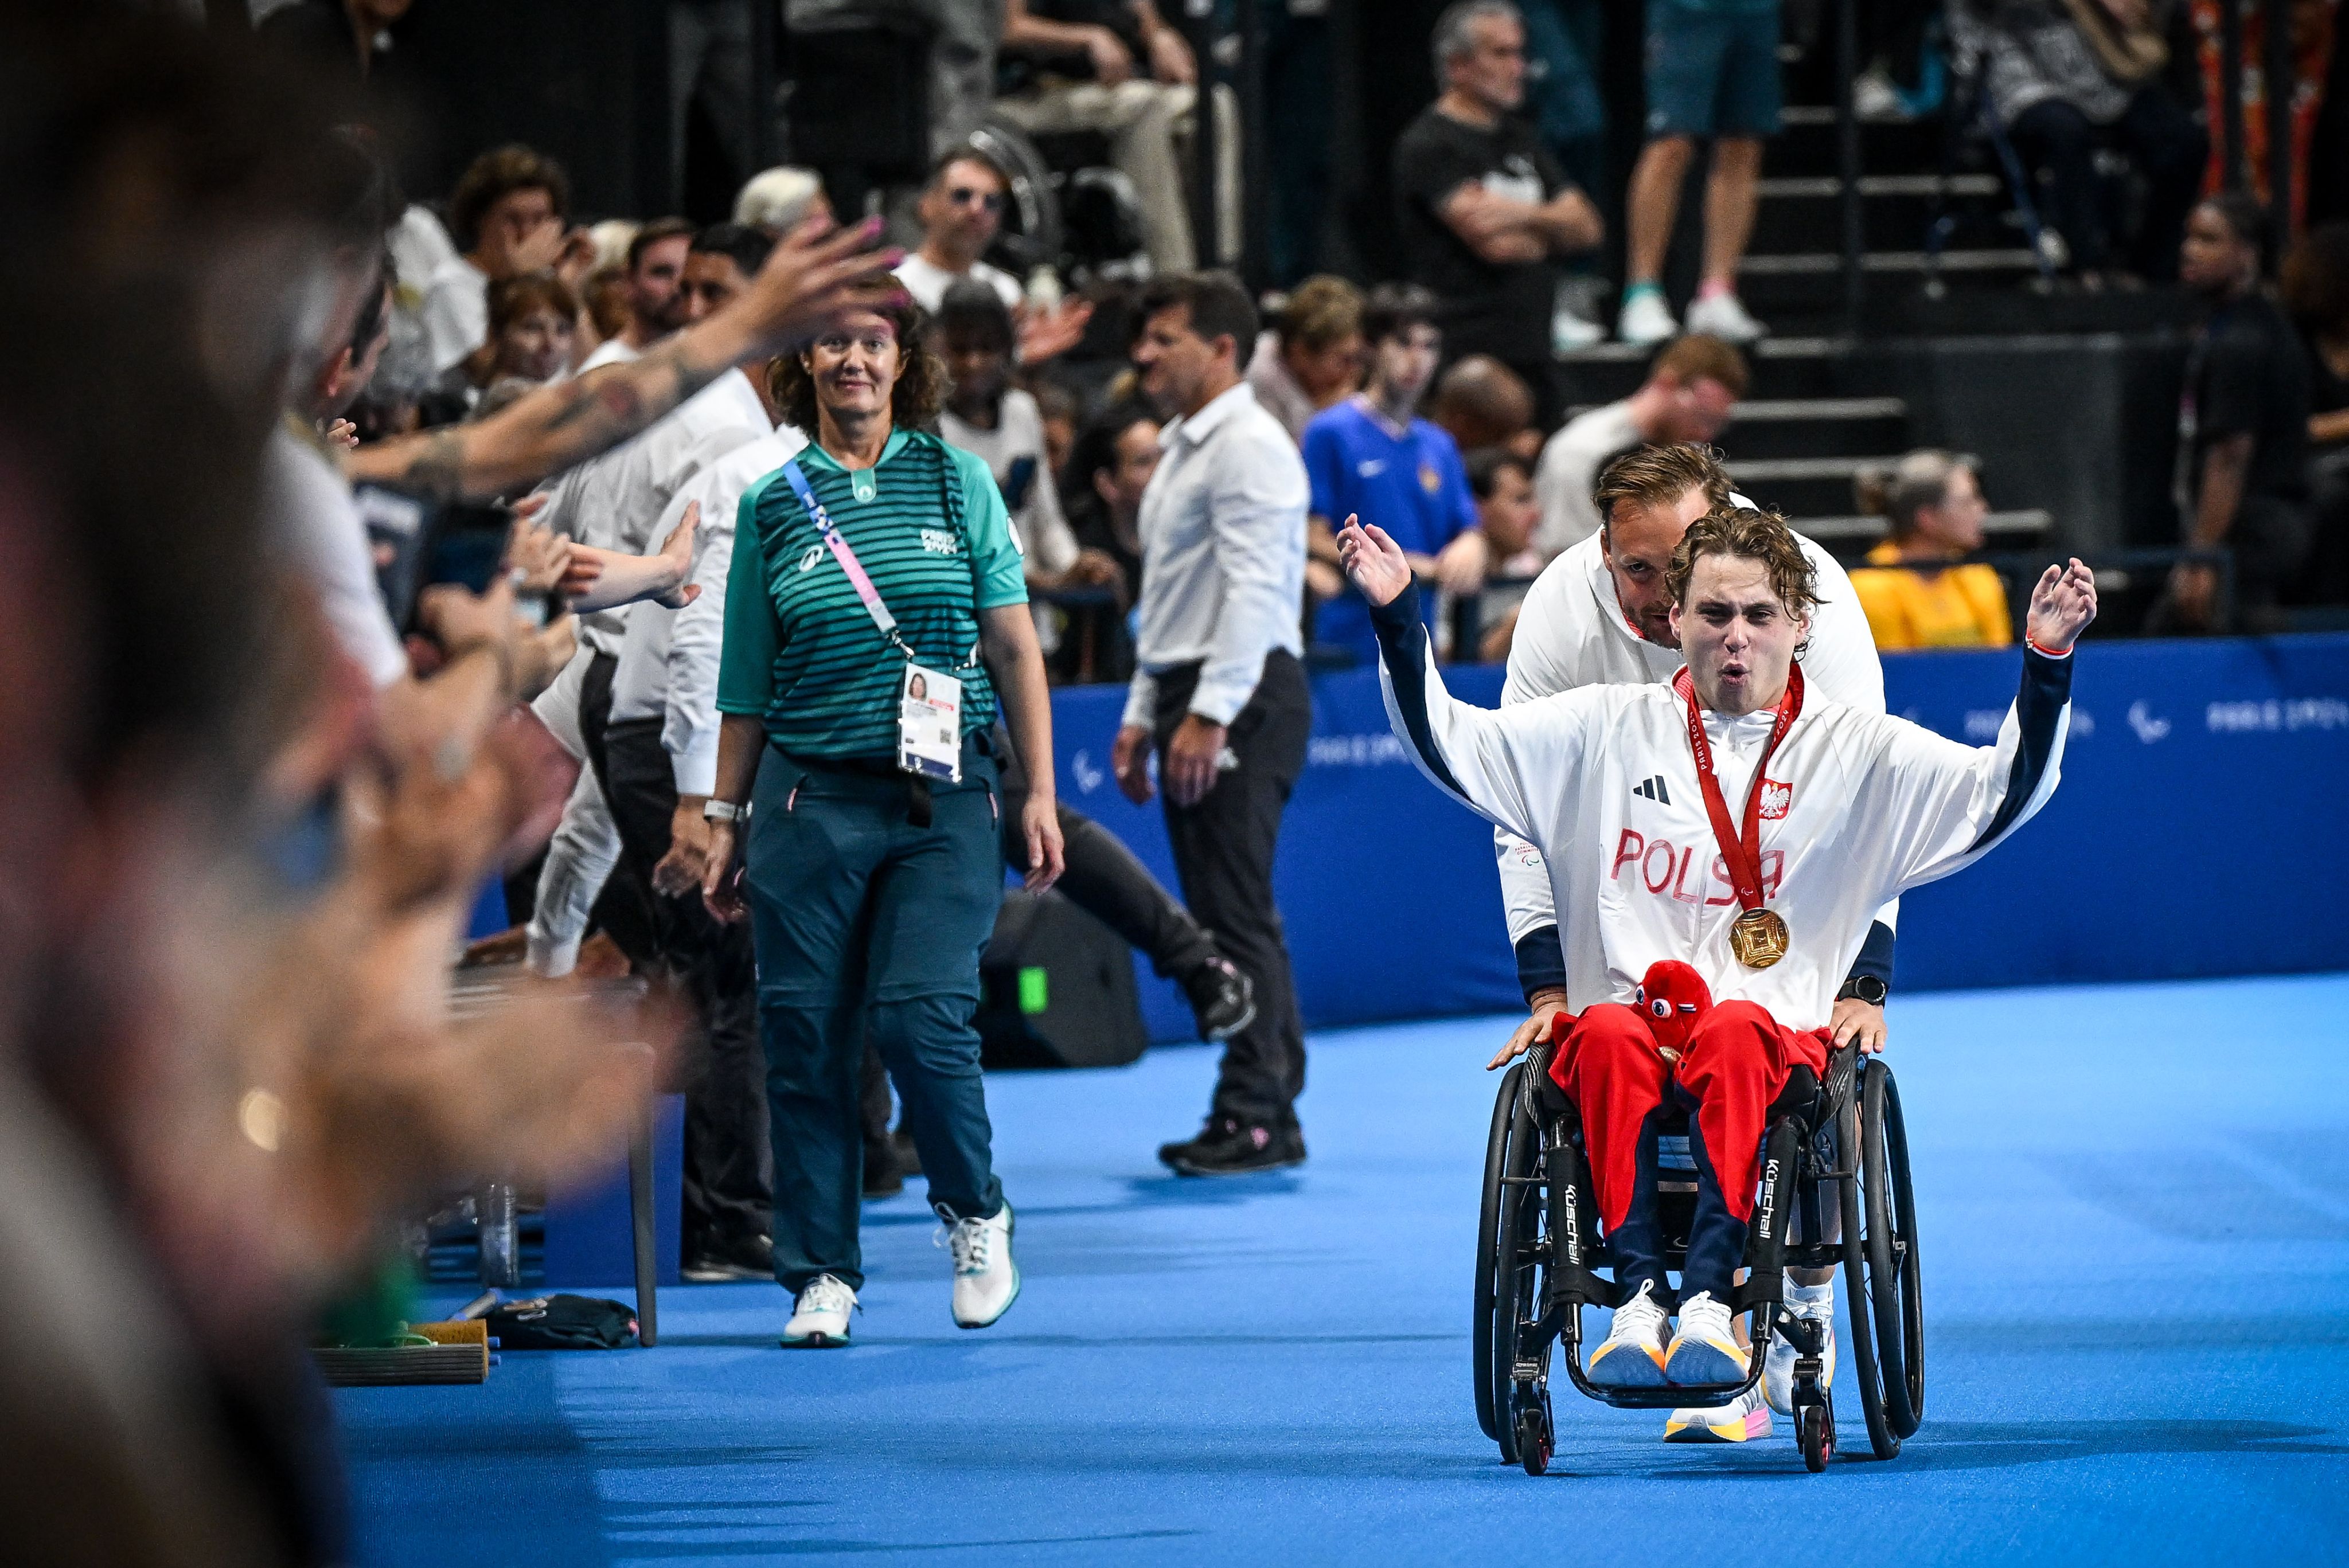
{"x":499,"y":173}
{"x":1761,"y":536}
{"x":921,"y":386}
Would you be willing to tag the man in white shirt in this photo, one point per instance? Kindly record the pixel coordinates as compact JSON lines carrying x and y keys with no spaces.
{"x":1689,"y":396}
{"x":1601,"y":614}
{"x":1218,"y":692}
{"x":653,"y":276}
{"x":615,"y":501}
{"x":507,"y":212}
{"x":655,"y":759}
{"x":1617,"y":787}
{"x":960,"y":211}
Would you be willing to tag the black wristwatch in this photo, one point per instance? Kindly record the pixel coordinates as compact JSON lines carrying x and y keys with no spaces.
{"x":1865,"y":988}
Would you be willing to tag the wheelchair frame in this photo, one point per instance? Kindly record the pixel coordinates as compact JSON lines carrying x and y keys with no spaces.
{"x":1537,"y":1248}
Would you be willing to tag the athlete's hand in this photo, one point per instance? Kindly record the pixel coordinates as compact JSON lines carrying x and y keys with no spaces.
{"x":1195,"y":755}
{"x":2062,"y":606}
{"x":1129,"y":758}
{"x":1857,"y":1020}
{"x":1546,"y":1007}
{"x":1375,"y":563}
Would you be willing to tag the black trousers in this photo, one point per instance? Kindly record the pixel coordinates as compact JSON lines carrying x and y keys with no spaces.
{"x":2058,"y":144}
{"x":1223,"y":850}
{"x":728,"y":1168}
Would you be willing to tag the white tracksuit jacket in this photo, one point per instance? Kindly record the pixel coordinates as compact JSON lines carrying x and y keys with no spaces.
{"x":1858,"y":807}
{"x":1571,"y":633}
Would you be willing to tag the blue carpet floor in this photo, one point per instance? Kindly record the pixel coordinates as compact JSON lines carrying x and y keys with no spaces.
{"x":2134,"y":1204}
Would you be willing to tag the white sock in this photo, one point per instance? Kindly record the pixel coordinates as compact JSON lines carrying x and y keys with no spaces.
{"x":1811,"y":1295}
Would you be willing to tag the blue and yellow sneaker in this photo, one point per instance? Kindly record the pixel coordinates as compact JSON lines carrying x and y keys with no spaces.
{"x":1704,"y":1350}
{"x":1632,"y":1357}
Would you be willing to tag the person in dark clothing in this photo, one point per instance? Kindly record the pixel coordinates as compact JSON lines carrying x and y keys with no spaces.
{"x":1485,"y":210}
{"x":2242,"y":426}
{"x":2062,"y":101}
{"x":2315,"y":289}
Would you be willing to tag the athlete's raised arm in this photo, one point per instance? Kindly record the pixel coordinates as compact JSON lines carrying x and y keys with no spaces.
{"x":1510,"y":765}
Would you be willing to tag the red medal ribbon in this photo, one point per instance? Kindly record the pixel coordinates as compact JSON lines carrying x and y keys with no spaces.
{"x":1741,"y":852}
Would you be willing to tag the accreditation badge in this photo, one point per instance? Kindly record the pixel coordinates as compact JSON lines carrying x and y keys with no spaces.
{"x":929,"y":724}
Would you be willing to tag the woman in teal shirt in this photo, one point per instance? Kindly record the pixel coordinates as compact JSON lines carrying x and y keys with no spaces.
{"x":872,"y":890}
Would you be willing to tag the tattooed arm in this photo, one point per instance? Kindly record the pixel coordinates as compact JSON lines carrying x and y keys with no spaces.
{"x":807,"y":281}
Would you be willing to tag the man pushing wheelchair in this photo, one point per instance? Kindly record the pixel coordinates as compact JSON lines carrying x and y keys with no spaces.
{"x":1726,"y":841}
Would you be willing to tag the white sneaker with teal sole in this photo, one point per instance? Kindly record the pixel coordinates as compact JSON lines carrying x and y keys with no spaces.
{"x":1645,"y":319}
{"x":1704,"y":1350}
{"x":1741,"y":1420}
{"x":985,"y":1280}
{"x":820,"y":1317}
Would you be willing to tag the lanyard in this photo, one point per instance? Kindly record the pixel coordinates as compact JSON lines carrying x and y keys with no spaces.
{"x":846,"y":557}
{"x":1742,"y":852}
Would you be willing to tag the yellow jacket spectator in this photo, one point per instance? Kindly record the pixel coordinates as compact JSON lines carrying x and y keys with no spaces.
{"x":1917,"y":589}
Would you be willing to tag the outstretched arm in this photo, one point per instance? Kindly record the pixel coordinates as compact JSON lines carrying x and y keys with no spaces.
{"x":808,"y":280}
{"x":1945,"y":805}
{"x":1499,"y":764}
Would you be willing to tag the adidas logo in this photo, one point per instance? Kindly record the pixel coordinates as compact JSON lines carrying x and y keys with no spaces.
{"x":1652,"y":789}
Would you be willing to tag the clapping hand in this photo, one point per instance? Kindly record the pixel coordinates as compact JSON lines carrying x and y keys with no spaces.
{"x":2062,"y":605}
{"x":1374,"y":563}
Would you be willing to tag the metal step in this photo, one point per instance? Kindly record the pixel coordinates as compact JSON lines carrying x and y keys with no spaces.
{"x":1817,"y":263}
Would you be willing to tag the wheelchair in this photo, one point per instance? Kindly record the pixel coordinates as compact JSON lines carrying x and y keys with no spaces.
{"x":1538,"y":1250}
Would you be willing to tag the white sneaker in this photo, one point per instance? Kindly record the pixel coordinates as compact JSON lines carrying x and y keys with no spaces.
{"x":1570,"y":334}
{"x":1633,"y":1353}
{"x":1646,"y":319}
{"x":1874,"y":98}
{"x":1719,"y":316}
{"x":1704,"y":1350}
{"x":1816,"y":1303}
{"x":1741,"y":1420}
{"x":820,"y":1317}
{"x":985,"y":1280}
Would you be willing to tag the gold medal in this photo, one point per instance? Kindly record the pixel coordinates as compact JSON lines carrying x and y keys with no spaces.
{"x":1759,"y":938}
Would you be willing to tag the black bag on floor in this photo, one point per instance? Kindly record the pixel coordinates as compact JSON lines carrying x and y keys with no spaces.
{"x":562,"y":1323}
{"x":1057,"y":989}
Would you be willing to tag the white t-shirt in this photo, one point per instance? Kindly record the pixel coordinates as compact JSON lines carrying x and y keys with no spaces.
{"x":1570,"y":461}
{"x":309,"y":510}
{"x":456,"y":311}
{"x":1019,"y":433}
{"x":928,"y":282}
{"x":613,"y":350}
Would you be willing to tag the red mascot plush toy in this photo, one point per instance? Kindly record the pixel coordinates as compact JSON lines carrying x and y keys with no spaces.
{"x":1675,"y":998}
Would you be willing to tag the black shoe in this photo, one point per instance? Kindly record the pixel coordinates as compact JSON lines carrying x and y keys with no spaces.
{"x":1217,"y":1130}
{"x":1242,"y":1151}
{"x":909,"y":1158}
{"x":882,"y":1177}
{"x":1221,"y":998}
{"x":735,"y":1258}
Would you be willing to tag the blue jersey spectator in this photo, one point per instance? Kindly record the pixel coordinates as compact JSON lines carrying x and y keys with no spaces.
{"x":1371,"y":456}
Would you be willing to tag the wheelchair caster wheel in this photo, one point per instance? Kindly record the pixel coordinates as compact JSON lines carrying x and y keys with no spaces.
{"x":1533,"y":1441}
{"x":1817,"y":1429}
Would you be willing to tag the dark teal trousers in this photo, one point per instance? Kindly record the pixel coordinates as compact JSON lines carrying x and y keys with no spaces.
{"x":868,"y":926}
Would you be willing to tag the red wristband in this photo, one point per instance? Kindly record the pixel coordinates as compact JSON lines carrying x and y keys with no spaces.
{"x":2046,"y":653}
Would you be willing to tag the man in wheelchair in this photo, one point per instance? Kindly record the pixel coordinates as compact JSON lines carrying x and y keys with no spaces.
{"x":1718,"y":941}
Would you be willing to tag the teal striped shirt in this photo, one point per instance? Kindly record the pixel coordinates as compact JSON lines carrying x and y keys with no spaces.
{"x":803,"y":654}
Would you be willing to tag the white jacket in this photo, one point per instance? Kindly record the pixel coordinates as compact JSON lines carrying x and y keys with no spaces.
{"x":1600,"y":781}
{"x":1571,"y":633}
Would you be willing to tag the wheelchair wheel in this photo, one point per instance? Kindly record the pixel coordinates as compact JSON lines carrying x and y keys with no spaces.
{"x":1516,"y":1284}
{"x":1893,"y":1273}
{"x":1861,"y":1338}
{"x":1534,"y":1441}
{"x":1488,"y":1376}
{"x":1817,"y":1435}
